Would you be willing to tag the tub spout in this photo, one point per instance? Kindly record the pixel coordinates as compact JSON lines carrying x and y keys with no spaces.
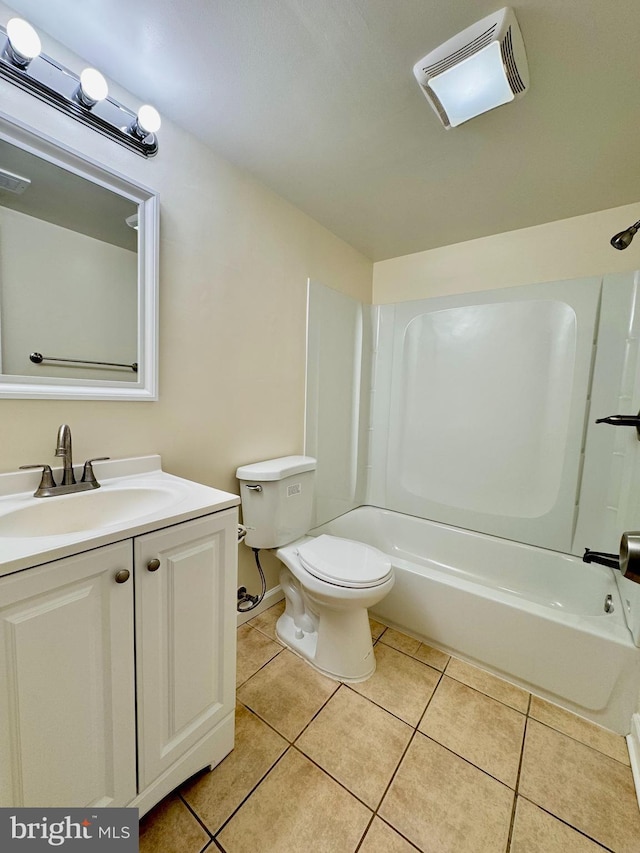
{"x":630,"y":555}
{"x":627,"y":562}
{"x":602,"y":558}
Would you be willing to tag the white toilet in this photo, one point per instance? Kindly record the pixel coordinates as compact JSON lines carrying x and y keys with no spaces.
{"x":328,"y":582}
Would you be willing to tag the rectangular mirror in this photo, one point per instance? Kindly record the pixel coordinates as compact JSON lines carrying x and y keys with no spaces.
{"x":78,"y":275}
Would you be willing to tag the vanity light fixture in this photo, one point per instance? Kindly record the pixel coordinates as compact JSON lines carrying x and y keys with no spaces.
{"x":481,"y":68}
{"x":86,"y":98}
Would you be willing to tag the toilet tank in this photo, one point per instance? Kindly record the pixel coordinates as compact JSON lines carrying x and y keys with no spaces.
{"x":277,"y":500}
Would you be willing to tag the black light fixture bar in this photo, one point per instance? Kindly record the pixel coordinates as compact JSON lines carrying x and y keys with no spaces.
{"x":56,"y":85}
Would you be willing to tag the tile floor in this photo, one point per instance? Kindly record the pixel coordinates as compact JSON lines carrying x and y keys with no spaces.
{"x":430,"y":754}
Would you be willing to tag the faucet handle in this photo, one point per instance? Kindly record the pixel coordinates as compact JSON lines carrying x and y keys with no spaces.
{"x":87,"y":473}
{"x":47,"y":482}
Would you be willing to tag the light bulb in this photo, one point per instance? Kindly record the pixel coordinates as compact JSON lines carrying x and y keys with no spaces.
{"x":148,"y":120}
{"x":24,"y":42}
{"x":93,"y":87}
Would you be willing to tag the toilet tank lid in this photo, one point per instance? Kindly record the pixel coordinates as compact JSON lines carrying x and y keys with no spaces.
{"x":276,"y":469}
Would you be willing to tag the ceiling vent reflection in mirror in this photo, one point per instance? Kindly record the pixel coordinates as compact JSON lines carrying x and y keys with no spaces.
{"x":85,"y":98}
{"x":481,"y":68}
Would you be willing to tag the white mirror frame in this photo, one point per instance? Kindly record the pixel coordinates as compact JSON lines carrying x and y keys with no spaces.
{"x":146,"y":386}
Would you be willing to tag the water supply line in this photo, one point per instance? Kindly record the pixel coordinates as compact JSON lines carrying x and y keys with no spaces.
{"x":246,"y":601}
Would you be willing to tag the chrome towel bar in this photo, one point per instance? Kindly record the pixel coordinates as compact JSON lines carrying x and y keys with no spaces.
{"x":38,"y":358}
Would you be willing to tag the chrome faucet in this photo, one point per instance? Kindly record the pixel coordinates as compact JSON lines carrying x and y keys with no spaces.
{"x":63,"y":449}
{"x":68,"y":484}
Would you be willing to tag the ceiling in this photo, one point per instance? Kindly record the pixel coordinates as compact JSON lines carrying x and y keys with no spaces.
{"x":317,"y":99}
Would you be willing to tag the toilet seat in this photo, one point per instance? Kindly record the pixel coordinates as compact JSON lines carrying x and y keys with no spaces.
{"x":343,"y":562}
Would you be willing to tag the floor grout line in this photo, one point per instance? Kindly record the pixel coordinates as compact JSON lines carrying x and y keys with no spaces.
{"x":517,"y":786}
{"x":365,"y":833}
{"x":581,"y":742}
{"x":397,"y":831}
{"x":250,"y":794}
{"x":266,"y":722}
{"x":569,"y":825}
{"x":214,"y":844}
{"x":261,"y":667}
{"x":321,"y":708}
{"x":378,"y":705}
{"x":197,"y":817}
{"x":333,"y":778}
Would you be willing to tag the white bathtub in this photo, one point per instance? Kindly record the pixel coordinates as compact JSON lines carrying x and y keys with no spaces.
{"x":533,"y":616}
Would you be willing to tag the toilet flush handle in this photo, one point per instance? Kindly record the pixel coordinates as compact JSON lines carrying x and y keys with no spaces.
{"x":254,"y":488}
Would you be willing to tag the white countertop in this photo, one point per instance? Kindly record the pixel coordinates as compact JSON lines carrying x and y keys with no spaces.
{"x":182,"y":500}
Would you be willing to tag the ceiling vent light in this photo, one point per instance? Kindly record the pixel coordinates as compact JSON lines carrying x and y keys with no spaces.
{"x":481,"y":68}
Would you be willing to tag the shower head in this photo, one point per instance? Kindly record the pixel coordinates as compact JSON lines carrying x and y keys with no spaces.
{"x":624,"y":238}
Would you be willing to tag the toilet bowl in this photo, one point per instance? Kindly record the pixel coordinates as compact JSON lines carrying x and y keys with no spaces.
{"x":328,"y":582}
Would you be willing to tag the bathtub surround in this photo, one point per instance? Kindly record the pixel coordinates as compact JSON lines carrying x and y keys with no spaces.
{"x":339,"y":347}
{"x":478,"y":410}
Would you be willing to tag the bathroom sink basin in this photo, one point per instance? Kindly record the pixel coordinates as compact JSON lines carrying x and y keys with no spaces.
{"x":85,"y":511}
{"x":135,"y":497}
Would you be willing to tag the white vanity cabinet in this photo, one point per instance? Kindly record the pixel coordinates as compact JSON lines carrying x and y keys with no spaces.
{"x":117,"y":668}
{"x":186,"y":591}
{"x":67,"y":710}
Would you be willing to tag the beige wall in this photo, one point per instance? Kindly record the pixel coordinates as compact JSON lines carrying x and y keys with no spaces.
{"x":234,"y":263}
{"x":569,"y":248}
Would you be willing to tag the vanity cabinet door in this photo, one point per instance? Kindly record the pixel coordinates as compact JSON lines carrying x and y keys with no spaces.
{"x":67,"y":701}
{"x":186,"y":581}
